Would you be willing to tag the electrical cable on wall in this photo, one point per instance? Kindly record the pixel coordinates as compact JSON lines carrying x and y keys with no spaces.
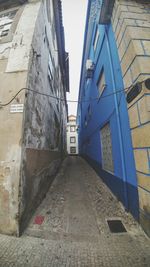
{"x":136,"y":89}
{"x":65,"y":100}
{"x":54,"y":97}
{"x":130,"y":97}
{"x":102,"y":124}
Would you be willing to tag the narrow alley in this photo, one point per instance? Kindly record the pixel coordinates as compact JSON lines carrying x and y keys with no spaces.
{"x":70,"y":227}
{"x":75,"y":133}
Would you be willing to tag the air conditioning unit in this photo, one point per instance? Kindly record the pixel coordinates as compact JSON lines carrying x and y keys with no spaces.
{"x":89,"y":64}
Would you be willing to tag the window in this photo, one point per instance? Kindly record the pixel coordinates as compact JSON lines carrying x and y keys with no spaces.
{"x":50,"y":68}
{"x":106,"y":144}
{"x":51,"y":10}
{"x":48,"y":10}
{"x":96,"y":39}
{"x":85,"y":122}
{"x":56,"y":131}
{"x":89,"y":111}
{"x":72,"y":139}
{"x":6,"y":20}
{"x":72,"y":128}
{"x":101,"y":82}
{"x":4,"y":33}
{"x":53,"y":31}
{"x":72,"y":150}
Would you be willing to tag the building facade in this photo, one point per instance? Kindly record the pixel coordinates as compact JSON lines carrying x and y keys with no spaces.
{"x":72,"y":136}
{"x":33,"y":67}
{"x":114,"y":114}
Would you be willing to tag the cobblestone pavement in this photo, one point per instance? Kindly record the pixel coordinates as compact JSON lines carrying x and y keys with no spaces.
{"x":75,"y":231}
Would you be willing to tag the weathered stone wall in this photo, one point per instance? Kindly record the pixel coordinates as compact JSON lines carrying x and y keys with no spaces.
{"x":42,"y":124}
{"x":14,"y":60}
{"x":131,"y":24}
{"x":30,"y":138}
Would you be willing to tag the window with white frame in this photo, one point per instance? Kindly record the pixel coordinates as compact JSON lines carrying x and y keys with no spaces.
{"x":96,"y":38}
{"x":101,"y":84}
{"x":106,"y":146}
{"x":51,"y":10}
{"x":72,"y":128}
{"x":72,"y":139}
{"x":6,"y":20}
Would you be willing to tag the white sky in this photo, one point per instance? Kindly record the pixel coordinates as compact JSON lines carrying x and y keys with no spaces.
{"x":74,"y":15}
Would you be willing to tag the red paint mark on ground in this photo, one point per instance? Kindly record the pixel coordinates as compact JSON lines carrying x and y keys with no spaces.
{"x":39,"y":219}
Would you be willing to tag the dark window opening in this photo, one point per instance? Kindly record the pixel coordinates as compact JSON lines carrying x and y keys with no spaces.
{"x":72,"y":150}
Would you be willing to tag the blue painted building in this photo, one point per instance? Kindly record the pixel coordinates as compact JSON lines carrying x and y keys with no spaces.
{"x":104,"y":130}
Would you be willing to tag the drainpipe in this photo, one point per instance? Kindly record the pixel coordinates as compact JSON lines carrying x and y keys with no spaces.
{"x":119,"y":124}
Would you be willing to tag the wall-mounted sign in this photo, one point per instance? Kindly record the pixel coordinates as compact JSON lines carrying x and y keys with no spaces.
{"x":16,"y":108}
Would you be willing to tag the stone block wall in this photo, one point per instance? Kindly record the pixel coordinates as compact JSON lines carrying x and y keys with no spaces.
{"x":131,"y":25}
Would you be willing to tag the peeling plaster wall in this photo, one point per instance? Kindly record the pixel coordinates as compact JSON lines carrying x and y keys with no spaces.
{"x":10,"y":154}
{"x":20,"y":51}
{"x":32,"y":140}
{"x":14,"y":60}
{"x":45,"y":117}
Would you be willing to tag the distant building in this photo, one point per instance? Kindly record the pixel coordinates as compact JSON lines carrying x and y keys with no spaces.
{"x":114,"y":116}
{"x":72,"y":136}
{"x":32,"y":126}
